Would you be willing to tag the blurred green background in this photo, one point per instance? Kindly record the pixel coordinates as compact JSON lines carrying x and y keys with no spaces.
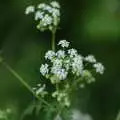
{"x":92,"y":26}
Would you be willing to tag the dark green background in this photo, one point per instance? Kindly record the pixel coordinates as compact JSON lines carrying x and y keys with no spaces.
{"x":92,"y":26}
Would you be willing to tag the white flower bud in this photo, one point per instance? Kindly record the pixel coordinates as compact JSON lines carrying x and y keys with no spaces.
{"x":30,"y":9}
{"x":99,"y":68}
{"x":55,"y":4}
{"x":90,"y":58}
{"x":64,"y":43}
{"x":44,"y":69}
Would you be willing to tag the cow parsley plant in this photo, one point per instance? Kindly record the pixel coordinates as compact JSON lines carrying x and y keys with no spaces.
{"x":65,"y":70}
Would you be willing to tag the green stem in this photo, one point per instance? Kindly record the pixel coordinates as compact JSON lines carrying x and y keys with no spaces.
{"x":53,"y":40}
{"x":24,"y":83}
{"x":57,"y":86}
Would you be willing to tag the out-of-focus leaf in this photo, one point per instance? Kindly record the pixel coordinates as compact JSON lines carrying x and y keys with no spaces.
{"x":32,"y":108}
{"x":28,"y":111}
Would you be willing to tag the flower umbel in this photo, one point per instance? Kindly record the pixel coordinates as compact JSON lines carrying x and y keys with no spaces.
{"x":65,"y":63}
{"x":47,"y":15}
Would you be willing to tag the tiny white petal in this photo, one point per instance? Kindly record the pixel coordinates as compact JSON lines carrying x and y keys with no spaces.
{"x":47,"y":20}
{"x":41,"y":5}
{"x":72,"y":52}
{"x":60,"y":54}
{"x":99,"y":68}
{"x":59,"y":72}
{"x":55,"y":4}
{"x":44,"y":69}
{"x":49,"y":16}
{"x":29,"y":9}
{"x":38,"y":15}
{"x":55,"y":12}
{"x":90,"y":58}
{"x":49,"y":55}
{"x":64,"y":43}
{"x":48,"y":8}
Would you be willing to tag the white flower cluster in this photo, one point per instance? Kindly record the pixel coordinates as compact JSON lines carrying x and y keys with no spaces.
{"x":70,"y":68}
{"x":48,"y":15}
{"x":40,"y":90}
{"x":65,"y":62}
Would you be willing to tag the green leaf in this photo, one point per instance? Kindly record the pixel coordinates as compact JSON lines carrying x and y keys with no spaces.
{"x":28,"y":111}
{"x":33,"y":107}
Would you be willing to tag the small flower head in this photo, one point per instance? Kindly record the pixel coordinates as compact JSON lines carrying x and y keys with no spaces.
{"x":90,"y":58}
{"x":77,"y":65}
{"x":41,"y":5}
{"x":64,"y":43}
{"x":60,"y":54}
{"x":62,"y":74}
{"x":72,"y":52}
{"x":39,"y":15}
{"x":55,"y":4}
{"x":99,"y":68}
{"x":29,"y":9}
{"x":50,"y":55}
{"x":47,"y":15}
{"x":44,"y":69}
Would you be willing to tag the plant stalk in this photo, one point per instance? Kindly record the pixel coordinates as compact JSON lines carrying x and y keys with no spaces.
{"x":53,"y":40}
